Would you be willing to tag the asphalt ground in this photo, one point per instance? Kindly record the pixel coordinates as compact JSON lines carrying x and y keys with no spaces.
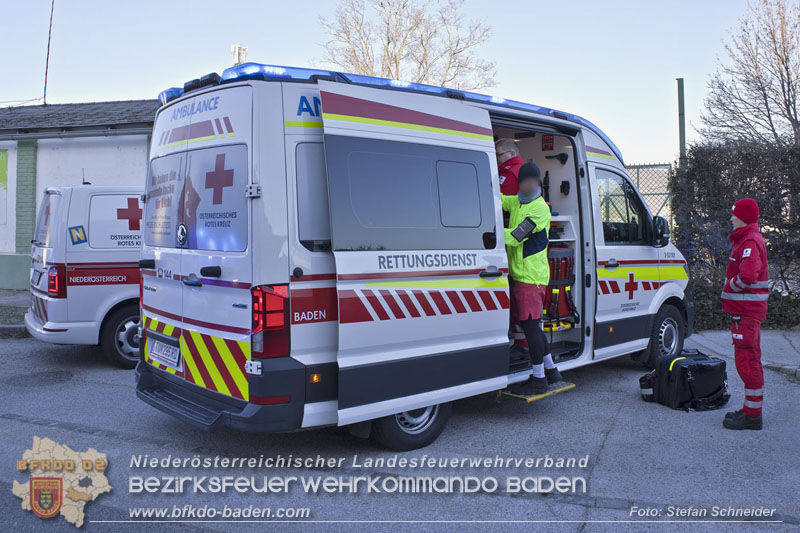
{"x":639,"y":454}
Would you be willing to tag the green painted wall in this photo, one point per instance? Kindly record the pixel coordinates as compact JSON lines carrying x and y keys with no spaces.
{"x":26,"y":195}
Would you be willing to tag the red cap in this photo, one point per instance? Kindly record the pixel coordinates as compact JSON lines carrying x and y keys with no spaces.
{"x":746,"y":210}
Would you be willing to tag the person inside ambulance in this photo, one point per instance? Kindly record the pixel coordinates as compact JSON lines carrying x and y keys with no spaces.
{"x":526,"y":241}
{"x":745,"y":297}
{"x":509,"y":162}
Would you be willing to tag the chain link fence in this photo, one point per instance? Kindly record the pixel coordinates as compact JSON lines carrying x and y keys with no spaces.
{"x":652,"y":180}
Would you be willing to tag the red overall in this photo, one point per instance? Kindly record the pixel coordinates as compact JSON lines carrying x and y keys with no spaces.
{"x":745,"y":297}
{"x":509,"y":170}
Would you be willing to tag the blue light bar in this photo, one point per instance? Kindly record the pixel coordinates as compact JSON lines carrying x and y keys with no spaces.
{"x":257,"y":71}
{"x":169,"y":94}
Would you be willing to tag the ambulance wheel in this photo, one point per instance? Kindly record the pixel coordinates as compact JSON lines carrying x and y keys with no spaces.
{"x":666,"y":337}
{"x":120,"y":337}
{"x":411,"y":429}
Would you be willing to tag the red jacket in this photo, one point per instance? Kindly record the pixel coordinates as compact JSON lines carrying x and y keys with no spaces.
{"x":747,"y":278}
{"x":509,"y":171}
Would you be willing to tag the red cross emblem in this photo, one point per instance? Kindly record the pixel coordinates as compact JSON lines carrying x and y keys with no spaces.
{"x":219,"y":179}
{"x":132,"y":213}
{"x":631,"y":285}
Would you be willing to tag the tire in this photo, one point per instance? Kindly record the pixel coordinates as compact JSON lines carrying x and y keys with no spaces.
{"x":666,"y":337}
{"x":120,"y":338}
{"x":412,"y":429}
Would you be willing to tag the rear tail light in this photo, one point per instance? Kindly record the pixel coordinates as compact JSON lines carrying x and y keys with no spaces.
{"x":57,"y":281}
{"x":270,"y":329}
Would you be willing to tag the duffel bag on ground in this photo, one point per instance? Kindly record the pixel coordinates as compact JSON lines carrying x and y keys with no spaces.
{"x":691,"y":381}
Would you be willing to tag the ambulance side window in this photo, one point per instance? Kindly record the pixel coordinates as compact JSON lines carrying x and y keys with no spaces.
{"x":389,"y":195}
{"x":314,"y":220}
{"x":624,"y":215}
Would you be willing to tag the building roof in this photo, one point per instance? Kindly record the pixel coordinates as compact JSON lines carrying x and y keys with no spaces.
{"x":57,"y":118}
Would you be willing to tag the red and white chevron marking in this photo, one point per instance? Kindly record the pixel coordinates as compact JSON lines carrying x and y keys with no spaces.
{"x":39,"y":307}
{"x":365,"y":305}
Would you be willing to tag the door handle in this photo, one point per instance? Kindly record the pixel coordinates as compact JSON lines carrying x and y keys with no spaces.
{"x":612,"y":264}
{"x":192,"y":280}
{"x":147,"y":263}
{"x":211,"y":271}
{"x":491,"y":272}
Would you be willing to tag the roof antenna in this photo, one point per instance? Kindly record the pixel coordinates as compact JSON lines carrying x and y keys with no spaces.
{"x":83,"y":179}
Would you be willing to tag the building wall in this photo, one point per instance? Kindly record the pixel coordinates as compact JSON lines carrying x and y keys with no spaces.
{"x":35,"y":165}
{"x":102,"y":160}
{"x":8,"y":202}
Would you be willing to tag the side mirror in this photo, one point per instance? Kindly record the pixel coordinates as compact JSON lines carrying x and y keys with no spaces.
{"x":660,"y":232}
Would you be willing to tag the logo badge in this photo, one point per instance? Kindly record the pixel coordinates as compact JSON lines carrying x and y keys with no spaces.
{"x":182,"y":233}
{"x":77,"y":234}
{"x":46,"y":495}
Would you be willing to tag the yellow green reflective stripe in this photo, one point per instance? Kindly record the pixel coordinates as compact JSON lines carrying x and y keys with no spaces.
{"x":665,"y":273}
{"x":602,"y":156}
{"x":302,"y":124}
{"x":406,"y":125}
{"x":673,"y":362}
{"x":463,"y":283}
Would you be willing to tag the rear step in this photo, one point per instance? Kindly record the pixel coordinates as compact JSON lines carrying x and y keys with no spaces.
{"x":552,"y":389}
{"x":196,"y":414}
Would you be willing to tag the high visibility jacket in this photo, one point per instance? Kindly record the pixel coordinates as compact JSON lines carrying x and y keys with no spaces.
{"x":527,"y":260}
{"x":747,"y":278}
{"x":509,"y":170}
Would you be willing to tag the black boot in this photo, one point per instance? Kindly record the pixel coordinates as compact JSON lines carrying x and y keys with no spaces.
{"x":552,"y":375}
{"x":531,"y":387}
{"x":733,"y":414}
{"x":742,"y":421}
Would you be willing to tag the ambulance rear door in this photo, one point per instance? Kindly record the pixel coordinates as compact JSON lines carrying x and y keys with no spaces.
{"x":421,"y":273}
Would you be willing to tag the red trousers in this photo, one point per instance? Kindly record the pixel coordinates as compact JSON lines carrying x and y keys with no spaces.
{"x":746,"y":337}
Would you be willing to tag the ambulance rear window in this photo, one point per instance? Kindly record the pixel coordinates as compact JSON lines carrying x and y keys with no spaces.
{"x":204,"y":190}
{"x":162,"y":199}
{"x":48,"y":211}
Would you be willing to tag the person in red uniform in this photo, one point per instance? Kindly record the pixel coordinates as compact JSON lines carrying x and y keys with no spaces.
{"x":745,"y":298}
{"x":508,"y":161}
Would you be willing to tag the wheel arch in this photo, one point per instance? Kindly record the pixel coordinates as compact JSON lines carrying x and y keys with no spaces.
{"x":111,"y":311}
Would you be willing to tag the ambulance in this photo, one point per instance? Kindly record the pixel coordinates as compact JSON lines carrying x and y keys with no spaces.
{"x":84,"y":276}
{"x":326,"y":249}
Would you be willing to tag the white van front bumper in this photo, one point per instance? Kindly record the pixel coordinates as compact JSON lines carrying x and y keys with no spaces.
{"x":62,"y":332}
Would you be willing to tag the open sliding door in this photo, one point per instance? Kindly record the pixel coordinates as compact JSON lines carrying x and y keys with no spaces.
{"x":423,"y":299}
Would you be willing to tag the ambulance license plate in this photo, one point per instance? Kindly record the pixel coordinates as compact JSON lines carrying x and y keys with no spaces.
{"x":165,"y":353}
{"x":35,"y":277}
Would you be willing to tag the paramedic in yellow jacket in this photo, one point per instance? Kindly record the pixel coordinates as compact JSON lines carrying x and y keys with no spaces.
{"x":526,"y":243}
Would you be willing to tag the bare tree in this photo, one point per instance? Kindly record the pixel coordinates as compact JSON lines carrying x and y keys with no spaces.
{"x":754,"y":95}
{"x":426,"y":41}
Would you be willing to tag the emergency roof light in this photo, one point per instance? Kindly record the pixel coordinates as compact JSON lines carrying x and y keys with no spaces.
{"x":258,"y":71}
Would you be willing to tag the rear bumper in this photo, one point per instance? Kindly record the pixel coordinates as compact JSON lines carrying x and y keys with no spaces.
{"x":211,"y":411}
{"x":62,"y":332}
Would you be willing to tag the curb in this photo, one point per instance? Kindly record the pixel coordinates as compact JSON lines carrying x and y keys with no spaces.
{"x":13,"y":331}
{"x":792,"y":370}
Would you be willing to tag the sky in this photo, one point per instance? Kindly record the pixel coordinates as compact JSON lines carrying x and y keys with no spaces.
{"x":613,"y":62}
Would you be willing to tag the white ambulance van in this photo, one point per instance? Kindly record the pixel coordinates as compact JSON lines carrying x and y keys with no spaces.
{"x":84,"y":269}
{"x":327,"y":249}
